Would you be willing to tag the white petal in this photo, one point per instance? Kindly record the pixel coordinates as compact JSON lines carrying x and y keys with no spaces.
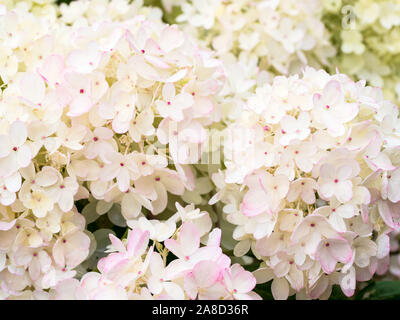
{"x":280,"y":289}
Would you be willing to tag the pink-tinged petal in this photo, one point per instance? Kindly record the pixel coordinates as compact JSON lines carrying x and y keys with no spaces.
{"x":280,"y":289}
{"x":332,"y":92}
{"x":223,"y":261}
{"x":206,"y":253}
{"x":340,"y":250}
{"x":327,"y":261}
{"x":206,"y":273}
{"x":317,"y":100}
{"x":137,"y":242}
{"x":107,"y":263}
{"x":190,"y":286}
{"x":387,"y":211}
{"x":254,"y":202}
{"x":189,"y":238}
{"x":330,"y":251}
{"x":152,"y":47}
{"x":214,"y":237}
{"x":243,"y":281}
{"x":79,"y":105}
{"x":380,"y":162}
{"x":52,"y":69}
{"x":176,"y":268}
{"x":32,"y":87}
{"x":383,"y":266}
{"x":348,"y":282}
{"x":383,"y":243}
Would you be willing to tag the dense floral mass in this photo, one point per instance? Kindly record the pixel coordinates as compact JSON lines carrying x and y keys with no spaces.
{"x":196,"y":159}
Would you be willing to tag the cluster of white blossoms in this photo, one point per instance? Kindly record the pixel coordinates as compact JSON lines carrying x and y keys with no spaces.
{"x":135,"y":271}
{"x":312,"y":182}
{"x":105,"y":110}
{"x":111,"y":120}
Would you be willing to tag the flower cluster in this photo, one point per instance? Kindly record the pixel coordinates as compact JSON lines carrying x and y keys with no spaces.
{"x":312,"y":182}
{"x":368,"y":41}
{"x":105,"y":110}
{"x":136,"y":271}
{"x":113,"y":124}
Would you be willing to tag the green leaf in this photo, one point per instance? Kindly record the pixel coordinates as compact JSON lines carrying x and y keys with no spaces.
{"x":382,"y":290}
